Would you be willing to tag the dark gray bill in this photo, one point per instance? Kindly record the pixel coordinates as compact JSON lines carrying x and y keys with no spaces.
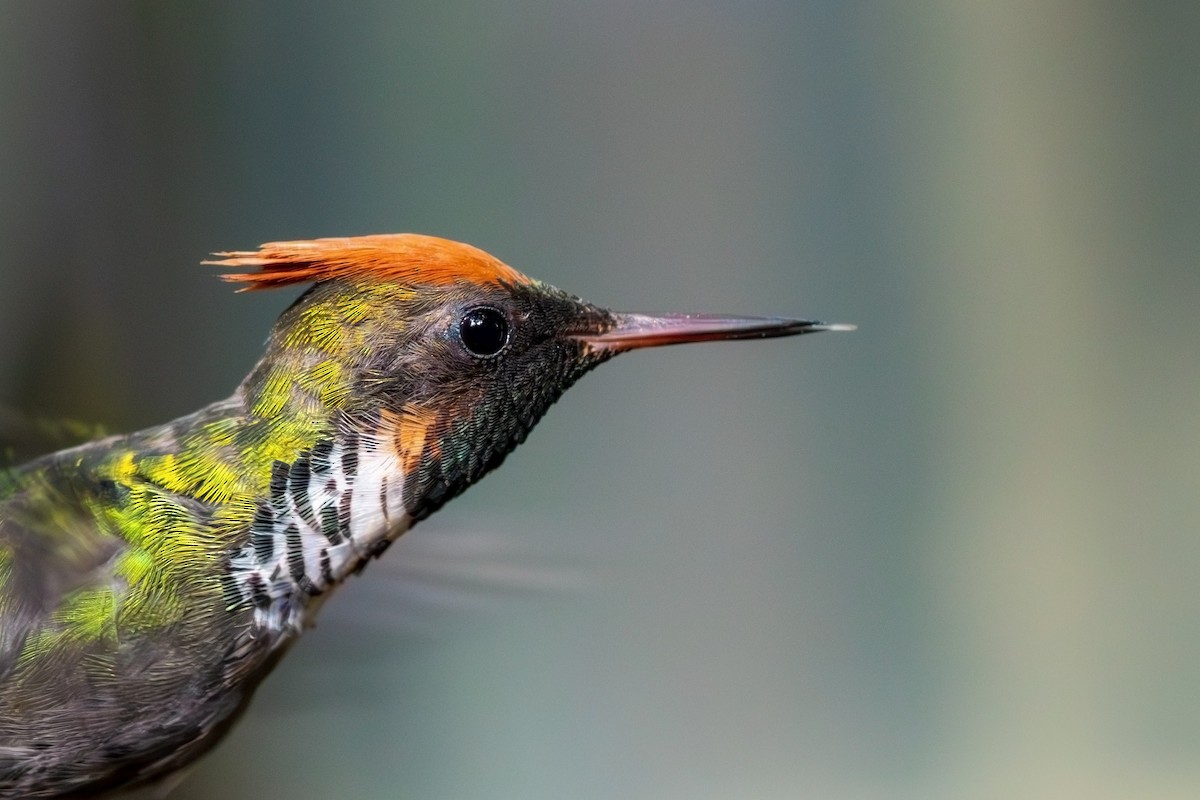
{"x":645,"y":330}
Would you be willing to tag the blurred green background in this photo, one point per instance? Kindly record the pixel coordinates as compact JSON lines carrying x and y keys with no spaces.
{"x":952,"y":555}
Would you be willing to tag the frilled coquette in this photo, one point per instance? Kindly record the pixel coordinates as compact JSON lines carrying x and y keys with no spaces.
{"x":149,"y":581}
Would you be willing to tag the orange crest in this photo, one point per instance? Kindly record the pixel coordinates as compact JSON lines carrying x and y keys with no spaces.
{"x":406,"y":258}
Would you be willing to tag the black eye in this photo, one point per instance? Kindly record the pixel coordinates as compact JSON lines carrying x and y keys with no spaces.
{"x":484,"y":331}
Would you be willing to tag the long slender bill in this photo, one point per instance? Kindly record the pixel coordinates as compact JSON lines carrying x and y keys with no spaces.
{"x":644,"y":330}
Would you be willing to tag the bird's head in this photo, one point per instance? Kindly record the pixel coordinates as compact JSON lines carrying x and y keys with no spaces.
{"x":452,"y":352}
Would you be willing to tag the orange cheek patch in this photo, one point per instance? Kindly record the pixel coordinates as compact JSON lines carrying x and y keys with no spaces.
{"x":409,"y":431}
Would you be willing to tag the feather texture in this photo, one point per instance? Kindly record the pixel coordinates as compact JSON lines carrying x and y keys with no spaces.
{"x":409,"y":259}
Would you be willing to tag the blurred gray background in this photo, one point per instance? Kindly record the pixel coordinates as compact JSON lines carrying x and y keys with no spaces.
{"x":952,"y":555}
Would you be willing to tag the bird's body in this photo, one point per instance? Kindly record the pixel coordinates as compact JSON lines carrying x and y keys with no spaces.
{"x":149,"y":581}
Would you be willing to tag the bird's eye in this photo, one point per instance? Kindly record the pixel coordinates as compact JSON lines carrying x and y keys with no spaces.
{"x":484,"y":331}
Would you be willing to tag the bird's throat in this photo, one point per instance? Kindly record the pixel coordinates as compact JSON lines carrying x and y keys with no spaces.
{"x":325,"y":515}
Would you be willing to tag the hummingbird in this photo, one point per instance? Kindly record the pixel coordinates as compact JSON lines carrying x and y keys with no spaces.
{"x":149,"y":581}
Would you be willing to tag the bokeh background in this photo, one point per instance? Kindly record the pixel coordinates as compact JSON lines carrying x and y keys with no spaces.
{"x":952,"y":555}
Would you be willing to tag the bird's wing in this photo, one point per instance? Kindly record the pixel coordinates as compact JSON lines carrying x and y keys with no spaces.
{"x":51,"y":547}
{"x":24,"y":437}
{"x":115,"y":663}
